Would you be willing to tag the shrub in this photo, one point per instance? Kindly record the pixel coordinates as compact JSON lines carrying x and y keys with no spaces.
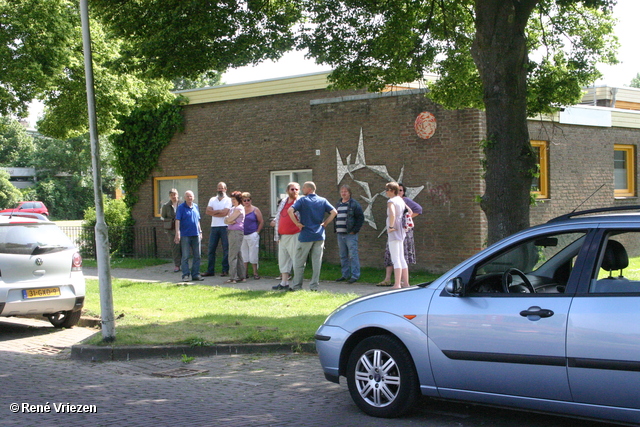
{"x":118,"y":220}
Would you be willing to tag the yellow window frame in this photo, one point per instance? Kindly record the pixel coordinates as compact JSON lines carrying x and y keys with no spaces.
{"x":156,"y":189}
{"x":542,"y":149}
{"x":630,"y":165}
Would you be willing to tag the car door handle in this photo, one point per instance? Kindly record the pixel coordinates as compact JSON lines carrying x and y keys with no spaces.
{"x":537,"y":311}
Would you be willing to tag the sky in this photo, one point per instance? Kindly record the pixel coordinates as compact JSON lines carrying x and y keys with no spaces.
{"x":294,"y":63}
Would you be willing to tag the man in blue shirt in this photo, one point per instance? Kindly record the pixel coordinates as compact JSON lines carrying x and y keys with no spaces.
{"x":189,"y":235}
{"x":311,"y":209}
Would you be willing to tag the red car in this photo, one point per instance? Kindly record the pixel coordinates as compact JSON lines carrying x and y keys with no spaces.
{"x":36,"y":207}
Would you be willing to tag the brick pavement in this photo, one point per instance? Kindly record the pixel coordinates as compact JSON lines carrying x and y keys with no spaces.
{"x":234,"y":390}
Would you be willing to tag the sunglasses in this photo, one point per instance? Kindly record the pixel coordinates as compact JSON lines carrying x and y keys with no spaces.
{"x":294,"y":189}
{"x":246,"y":200}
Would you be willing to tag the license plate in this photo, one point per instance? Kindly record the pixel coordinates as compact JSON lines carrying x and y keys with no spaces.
{"x":40,"y":293}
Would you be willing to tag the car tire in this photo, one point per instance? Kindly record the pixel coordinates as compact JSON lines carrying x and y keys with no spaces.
{"x":65,"y":319}
{"x":382,"y":378}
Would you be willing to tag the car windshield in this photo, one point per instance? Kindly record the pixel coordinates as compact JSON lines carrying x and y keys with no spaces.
{"x":32,"y":239}
{"x":533,"y":254}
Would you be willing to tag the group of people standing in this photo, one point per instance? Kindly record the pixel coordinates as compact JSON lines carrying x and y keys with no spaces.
{"x":299,"y":223}
{"x":235,"y":224}
{"x":300,"y":232}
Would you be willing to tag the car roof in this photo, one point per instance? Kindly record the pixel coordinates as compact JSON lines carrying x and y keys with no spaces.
{"x":613,"y":213}
{"x":19,"y":214}
{"x":15,"y":219}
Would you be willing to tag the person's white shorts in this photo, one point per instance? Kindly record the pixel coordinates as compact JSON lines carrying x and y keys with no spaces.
{"x":250,"y":247}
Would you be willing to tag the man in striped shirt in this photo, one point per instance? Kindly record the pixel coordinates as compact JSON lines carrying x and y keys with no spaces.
{"x":348,"y":223}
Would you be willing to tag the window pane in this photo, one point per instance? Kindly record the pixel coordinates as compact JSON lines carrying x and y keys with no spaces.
{"x":302,"y":177}
{"x":180,"y":184}
{"x":620,"y":170}
{"x":281,"y":187}
{"x":535,"y":183}
{"x":618,"y":272}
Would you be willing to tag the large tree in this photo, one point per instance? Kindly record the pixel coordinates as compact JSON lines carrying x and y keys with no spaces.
{"x":514,"y":58}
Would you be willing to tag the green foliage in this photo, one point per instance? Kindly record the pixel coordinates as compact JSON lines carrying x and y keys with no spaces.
{"x":187,"y":359}
{"x":16,"y":145}
{"x":143,"y":135}
{"x":176,"y":39}
{"x":116,"y":213}
{"x":373,"y":44}
{"x":635,"y":82}
{"x":117,"y":91}
{"x":118,"y":218}
{"x":9,"y":195}
{"x":65,"y":180}
{"x":212,"y":78}
{"x":34,"y":48}
{"x":66,"y":197}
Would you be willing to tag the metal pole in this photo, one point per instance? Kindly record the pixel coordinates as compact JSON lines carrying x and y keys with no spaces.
{"x":102,"y":235}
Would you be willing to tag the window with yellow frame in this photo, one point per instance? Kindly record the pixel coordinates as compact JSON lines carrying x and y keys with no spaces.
{"x":624,"y":170}
{"x":540,"y":184}
{"x":162,"y":186}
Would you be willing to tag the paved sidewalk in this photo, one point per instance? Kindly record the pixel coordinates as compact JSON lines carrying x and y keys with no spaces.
{"x":164,"y":273}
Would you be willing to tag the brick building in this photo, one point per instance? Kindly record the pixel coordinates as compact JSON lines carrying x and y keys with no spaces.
{"x":258,"y":136}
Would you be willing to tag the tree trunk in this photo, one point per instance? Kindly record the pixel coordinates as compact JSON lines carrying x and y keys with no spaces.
{"x":501,"y":55}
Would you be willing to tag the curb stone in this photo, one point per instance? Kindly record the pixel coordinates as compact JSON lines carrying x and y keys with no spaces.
{"x":96,"y":353}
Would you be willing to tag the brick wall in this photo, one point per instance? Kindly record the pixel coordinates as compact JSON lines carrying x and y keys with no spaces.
{"x":241,"y":141}
{"x":580,"y":161}
{"x":447,"y":166}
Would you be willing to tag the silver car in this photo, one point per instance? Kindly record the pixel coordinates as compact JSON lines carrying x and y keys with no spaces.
{"x":545,"y":320}
{"x":40,"y":272}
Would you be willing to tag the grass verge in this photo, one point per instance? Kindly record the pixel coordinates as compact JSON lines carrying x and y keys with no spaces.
{"x":170,"y":313}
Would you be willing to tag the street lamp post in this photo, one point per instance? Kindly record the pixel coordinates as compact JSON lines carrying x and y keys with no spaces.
{"x":102,"y":235}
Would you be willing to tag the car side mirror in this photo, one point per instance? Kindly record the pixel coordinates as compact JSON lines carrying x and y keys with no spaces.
{"x":455,"y":286}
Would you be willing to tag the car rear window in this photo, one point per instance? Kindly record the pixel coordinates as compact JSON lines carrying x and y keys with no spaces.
{"x":32,"y":239}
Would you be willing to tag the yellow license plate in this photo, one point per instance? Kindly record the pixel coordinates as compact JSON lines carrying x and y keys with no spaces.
{"x":40,"y":293}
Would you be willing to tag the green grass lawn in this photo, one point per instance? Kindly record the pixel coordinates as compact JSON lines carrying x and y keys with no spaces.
{"x":170,"y":313}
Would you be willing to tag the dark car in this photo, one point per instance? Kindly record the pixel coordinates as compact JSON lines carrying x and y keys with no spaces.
{"x":545,"y":320}
{"x":35,"y":207}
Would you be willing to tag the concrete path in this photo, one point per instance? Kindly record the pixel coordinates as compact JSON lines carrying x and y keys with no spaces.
{"x":164,"y":273}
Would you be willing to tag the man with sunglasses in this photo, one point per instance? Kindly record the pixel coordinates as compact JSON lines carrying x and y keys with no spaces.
{"x":286,"y":234}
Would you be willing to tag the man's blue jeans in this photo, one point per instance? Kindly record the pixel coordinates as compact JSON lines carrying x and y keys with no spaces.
{"x":218,"y":234}
{"x":190,"y":244}
{"x":349,"y":259}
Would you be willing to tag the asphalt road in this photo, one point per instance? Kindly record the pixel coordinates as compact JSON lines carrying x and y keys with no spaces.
{"x":41,"y":385}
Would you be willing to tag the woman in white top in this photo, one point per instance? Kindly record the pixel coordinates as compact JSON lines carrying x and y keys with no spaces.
{"x":396,"y":234}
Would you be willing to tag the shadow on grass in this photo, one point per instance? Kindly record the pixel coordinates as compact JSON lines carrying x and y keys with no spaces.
{"x":218,"y":329}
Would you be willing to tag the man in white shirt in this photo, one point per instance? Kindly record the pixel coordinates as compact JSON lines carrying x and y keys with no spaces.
{"x":218,"y":208}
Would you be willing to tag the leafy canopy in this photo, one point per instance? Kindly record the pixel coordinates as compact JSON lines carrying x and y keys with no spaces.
{"x":183,"y":39}
{"x":34,"y":49}
{"x":378,"y":43}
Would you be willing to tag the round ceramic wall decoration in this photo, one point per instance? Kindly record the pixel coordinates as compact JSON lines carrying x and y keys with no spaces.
{"x":425,"y":125}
